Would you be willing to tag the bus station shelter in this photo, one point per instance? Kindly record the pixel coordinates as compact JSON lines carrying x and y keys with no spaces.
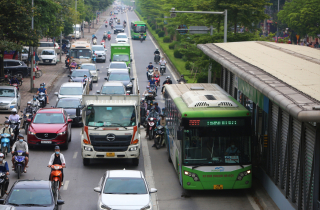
{"x":280,"y":85}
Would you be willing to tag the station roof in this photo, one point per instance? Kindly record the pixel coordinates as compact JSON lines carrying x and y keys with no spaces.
{"x":287,"y":74}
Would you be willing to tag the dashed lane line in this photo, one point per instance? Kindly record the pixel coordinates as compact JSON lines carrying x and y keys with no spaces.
{"x":66,"y":184}
{"x":75,"y":155}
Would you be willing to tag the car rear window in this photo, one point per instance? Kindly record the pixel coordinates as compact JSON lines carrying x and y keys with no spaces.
{"x":118,"y":66}
{"x":125,"y":186}
{"x":46,"y":45}
{"x":119,"y":27}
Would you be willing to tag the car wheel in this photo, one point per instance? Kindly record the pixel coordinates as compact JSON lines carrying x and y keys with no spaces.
{"x":135,"y":161}
{"x":70,"y":137}
{"x":86,"y":161}
{"x":66,"y":145}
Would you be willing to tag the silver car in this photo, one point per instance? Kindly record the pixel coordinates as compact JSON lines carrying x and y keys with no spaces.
{"x":100,"y":52}
{"x":9,"y":98}
{"x":71,"y":90}
{"x":116,"y":66}
{"x":93,"y":70}
{"x":113,"y":88}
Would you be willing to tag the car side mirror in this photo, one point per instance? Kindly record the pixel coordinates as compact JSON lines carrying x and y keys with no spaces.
{"x":70,"y":120}
{"x":98,"y":69}
{"x":60,"y":202}
{"x":28,"y":120}
{"x":98,"y":91}
{"x":56,"y":93}
{"x":153,"y":190}
{"x":105,"y":78}
{"x":179,"y":135}
{"x":97,"y":189}
{"x":132,"y":78}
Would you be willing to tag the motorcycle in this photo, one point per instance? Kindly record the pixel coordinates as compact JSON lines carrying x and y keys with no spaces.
{"x":56,"y":178}
{"x":152,"y":122}
{"x":109,"y":37}
{"x":71,"y":68}
{"x":141,"y":38}
{"x":156,"y":58}
{"x":105,"y":37}
{"x":150,"y":73}
{"x":42,"y":98}
{"x":162,"y":69}
{"x":182,"y":81}
{"x":124,"y":25}
{"x":15,"y":127}
{"x":19,"y":163}
{"x":111,"y":26}
{"x":158,"y":141}
{"x":94,"y":41}
{"x":5,"y":144}
{"x":26,"y":116}
{"x":153,"y":88}
{"x":3,"y":180}
{"x":157,"y":78}
{"x":149,"y":99}
{"x":106,"y":25}
{"x":67,"y":61}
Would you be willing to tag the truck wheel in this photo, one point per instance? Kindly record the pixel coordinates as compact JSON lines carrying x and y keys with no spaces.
{"x":135,"y":161}
{"x":86,"y":161}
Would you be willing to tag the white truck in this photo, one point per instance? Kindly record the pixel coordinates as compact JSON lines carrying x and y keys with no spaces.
{"x":111,"y":127}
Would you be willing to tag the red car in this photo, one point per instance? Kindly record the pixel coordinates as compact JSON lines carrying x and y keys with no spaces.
{"x":50,"y":126}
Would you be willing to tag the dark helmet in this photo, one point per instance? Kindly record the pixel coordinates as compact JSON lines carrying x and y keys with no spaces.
{"x":20,"y":135}
{"x":7,"y":122}
{"x":57,"y":147}
{"x":156,"y":103}
{"x":182,"y":75}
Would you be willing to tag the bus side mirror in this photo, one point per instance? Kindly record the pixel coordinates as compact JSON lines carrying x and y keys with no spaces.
{"x":78,"y":111}
{"x":179,"y":135}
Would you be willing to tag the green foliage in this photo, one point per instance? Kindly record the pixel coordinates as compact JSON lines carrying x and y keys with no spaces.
{"x":158,"y":30}
{"x":153,"y":27}
{"x":166,"y":39}
{"x":161,"y":34}
{"x":188,"y":65}
{"x":177,"y":53}
{"x":302,"y":16}
{"x":172,"y":45}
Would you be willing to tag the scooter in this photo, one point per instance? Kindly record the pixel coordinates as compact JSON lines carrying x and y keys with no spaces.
{"x":152,"y":122}
{"x":156,"y":58}
{"x":25,"y":124}
{"x":3,"y":180}
{"x":94,"y":41}
{"x":5,"y":144}
{"x":42,"y":98}
{"x":141,"y":38}
{"x":15,"y":127}
{"x":124,"y":25}
{"x":109,"y":37}
{"x":157,"y":78}
{"x":106,"y":25}
{"x":150,"y":73}
{"x":71,"y":68}
{"x":159,"y":140}
{"x":162,"y":69}
{"x":19,"y":163}
{"x":56,"y":176}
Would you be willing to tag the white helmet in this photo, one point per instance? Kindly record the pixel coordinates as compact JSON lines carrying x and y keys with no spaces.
{"x":14,"y":110}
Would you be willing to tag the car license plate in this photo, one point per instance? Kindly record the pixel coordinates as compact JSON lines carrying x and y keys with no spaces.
{"x":218,"y":187}
{"x":46,"y":60}
{"x":110,"y":154}
{"x":46,"y":142}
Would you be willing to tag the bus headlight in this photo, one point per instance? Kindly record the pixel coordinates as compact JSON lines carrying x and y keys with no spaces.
{"x":243,"y":174}
{"x":192,"y":175}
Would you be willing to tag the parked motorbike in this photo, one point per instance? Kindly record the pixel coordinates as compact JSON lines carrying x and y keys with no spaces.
{"x":42,"y":98}
{"x":159,"y":139}
{"x":19,"y":163}
{"x":150,"y":73}
{"x":152,"y":122}
{"x":56,"y":178}
{"x":3,"y":180}
{"x":109,"y":37}
{"x":156,"y":58}
{"x":162,"y":69}
{"x":5,"y":144}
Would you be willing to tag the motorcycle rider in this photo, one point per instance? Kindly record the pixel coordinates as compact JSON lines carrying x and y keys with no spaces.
{"x":150,"y":66}
{"x":153,"y":114}
{"x":94,"y":37}
{"x":109,"y":32}
{"x":157,"y":108}
{"x":146,"y":92}
{"x":35,"y":102}
{"x":29,"y":108}
{"x":153,"y":82}
{"x":14,"y":116}
{"x":157,"y":73}
{"x":163,"y":62}
{"x":4,"y":168}
{"x":104,"y":35}
{"x":14,"y":80}
{"x":167,"y":81}
{"x":42,"y":89}
{"x":8,"y":130}
{"x":157,"y":52}
{"x":57,"y":158}
{"x":182,"y":79}
{"x":20,"y":145}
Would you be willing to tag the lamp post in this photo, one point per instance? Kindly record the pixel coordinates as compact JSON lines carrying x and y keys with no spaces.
{"x":278,"y":21}
{"x":32,"y":54}
{"x":225,"y":13}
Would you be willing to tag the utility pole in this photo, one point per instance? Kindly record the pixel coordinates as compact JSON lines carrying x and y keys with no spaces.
{"x":60,"y":45}
{"x":278,"y":22}
{"x":32,"y":54}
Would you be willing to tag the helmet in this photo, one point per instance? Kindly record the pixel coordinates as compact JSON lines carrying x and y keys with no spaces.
{"x":85,"y":75}
{"x":182,"y":75}
{"x":57,"y":147}
{"x":168,"y":77}
{"x":148,"y":87}
{"x":1,"y":155}
{"x":150,"y":62}
{"x":29,"y":103}
{"x":20,"y":135}
{"x":44,"y":84}
{"x":156,"y":103}
{"x":7,"y":122}
{"x":14,"y":110}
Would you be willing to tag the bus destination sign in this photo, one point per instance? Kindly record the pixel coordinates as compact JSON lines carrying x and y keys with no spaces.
{"x":216,"y":122}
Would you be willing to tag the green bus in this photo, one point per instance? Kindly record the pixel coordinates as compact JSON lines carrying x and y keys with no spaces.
{"x":208,"y":137}
{"x":137,"y":28}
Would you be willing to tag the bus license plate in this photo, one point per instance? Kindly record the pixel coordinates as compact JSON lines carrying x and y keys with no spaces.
{"x":110,"y":154}
{"x":46,"y":142}
{"x":218,"y":187}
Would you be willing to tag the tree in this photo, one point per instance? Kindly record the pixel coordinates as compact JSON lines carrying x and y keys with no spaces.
{"x":302,"y":16}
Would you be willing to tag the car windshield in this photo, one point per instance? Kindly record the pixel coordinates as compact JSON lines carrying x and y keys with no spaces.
{"x":118,"y":66}
{"x":120,"y":58}
{"x":68,"y":103}
{"x":122,"y":36}
{"x":110,"y":116}
{"x":83,"y":53}
{"x":119,"y":77}
{"x":7,"y":93}
{"x":49,"y":118}
{"x":71,"y":91}
{"x":112,"y":90}
{"x":125,"y":186}
{"x":98,"y":48}
{"x":90,"y":67}
{"x":80,"y":73}
{"x":47,"y":52}
{"x":30,"y":196}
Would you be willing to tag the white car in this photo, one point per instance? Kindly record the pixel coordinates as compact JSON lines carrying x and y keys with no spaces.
{"x":114,"y":66}
{"x":71,"y":90}
{"x":93,"y":70}
{"x":124,"y":189}
{"x":122,"y":38}
{"x":100,"y":52}
{"x":48,"y":56}
{"x":9,"y":98}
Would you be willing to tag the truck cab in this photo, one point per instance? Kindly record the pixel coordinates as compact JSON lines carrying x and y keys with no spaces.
{"x":111,"y":127}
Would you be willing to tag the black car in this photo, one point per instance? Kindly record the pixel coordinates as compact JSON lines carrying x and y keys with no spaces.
{"x":78,"y":75}
{"x":118,"y":29}
{"x":32,"y":194}
{"x":122,"y":76}
{"x":70,"y":105}
{"x":16,"y":67}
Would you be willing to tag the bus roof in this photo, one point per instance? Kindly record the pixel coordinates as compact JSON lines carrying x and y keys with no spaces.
{"x":204,"y":100}
{"x":139,"y":22}
{"x":80,"y":44}
{"x":119,"y":44}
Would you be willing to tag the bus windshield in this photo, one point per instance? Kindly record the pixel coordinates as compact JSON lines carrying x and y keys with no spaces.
{"x":140,"y":29}
{"x":83,"y":53}
{"x":111,"y":116}
{"x":221,"y":145}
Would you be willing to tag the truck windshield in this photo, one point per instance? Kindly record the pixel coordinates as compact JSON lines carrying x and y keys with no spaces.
{"x":217,"y":145}
{"x":140,"y":28}
{"x":111,"y":116}
{"x":120,"y":58}
{"x":77,"y":53}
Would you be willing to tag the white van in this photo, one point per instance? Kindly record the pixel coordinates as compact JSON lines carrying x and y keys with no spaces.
{"x":76,"y":31}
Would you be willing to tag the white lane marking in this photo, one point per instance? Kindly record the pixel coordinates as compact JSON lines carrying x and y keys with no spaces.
{"x":66,"y":184}
{"x":75,"y":155}
{"x":96,"y":85}
{"x":252,"y":202}
{"x":98,"y":77}
{"x":145,"y":150}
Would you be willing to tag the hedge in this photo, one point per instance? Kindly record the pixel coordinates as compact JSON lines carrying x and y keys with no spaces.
{"x":161,"y":33}
{"x":177,"y":54}
{"x":166,"y":39}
